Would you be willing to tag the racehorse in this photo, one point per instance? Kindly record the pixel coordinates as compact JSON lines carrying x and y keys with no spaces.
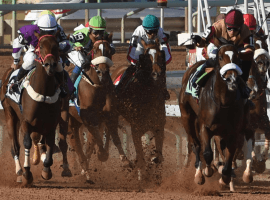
{"x":141,"y":102}
{"x":97,"y":107}
{"x":220,"y":111}
{"x":40,"y":108}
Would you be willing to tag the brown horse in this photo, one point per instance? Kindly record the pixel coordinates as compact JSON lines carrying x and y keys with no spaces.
{"x":141,"y":102}
{"x":220,"y":112}
{"x":40,"y":108}
{"x":97,"y":107}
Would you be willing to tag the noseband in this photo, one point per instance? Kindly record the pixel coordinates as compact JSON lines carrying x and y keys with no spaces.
{"x":37,"y":51}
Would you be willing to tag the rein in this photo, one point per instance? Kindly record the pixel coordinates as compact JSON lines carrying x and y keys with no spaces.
{"x":37,"y":51}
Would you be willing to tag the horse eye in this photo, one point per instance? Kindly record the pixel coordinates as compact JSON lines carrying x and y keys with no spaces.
{"x":220,"y":58}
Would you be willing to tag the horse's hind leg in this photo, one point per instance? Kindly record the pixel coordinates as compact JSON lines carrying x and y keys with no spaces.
{"x":63,"y":131}
{"x":12,"y":123}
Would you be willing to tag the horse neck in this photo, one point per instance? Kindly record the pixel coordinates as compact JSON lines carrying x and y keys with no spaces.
{"x":42,"y":83}
{"x":222,"y":94}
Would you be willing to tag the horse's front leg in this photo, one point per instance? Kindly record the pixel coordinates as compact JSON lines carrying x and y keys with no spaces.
{"x":27,"y":142}
{"x":231,"y":145}
{"x":207,"y":153}
{"x":159,"y":138}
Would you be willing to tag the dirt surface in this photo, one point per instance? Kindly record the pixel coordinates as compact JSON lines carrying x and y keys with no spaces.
{"x":113,"y":182}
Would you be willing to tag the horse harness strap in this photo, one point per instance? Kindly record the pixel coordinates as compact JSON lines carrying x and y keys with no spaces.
{"x":88,"y":79}
{"x":37,"y":51}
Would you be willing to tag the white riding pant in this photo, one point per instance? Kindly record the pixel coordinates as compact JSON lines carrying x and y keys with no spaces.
{"x":77,"y":58}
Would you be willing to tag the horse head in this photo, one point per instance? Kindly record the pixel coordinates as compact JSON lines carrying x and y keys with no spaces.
{"x":101,"y":56}
{"x":48,"y":52}
{"x":260,"y":42}
{"x":153,"y":60}
{"x":227,"y":58}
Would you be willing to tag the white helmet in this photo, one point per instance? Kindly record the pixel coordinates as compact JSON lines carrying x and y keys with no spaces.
{"x":47,"y":23}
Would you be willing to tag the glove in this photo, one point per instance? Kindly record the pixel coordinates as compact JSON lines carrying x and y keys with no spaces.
{"x":196,"y":38}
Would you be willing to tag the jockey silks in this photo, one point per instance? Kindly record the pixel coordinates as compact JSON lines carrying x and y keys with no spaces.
{"x":135,"y":47}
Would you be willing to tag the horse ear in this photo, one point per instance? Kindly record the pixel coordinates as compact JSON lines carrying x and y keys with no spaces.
{"x":37,"y":34}
{"x":110,"y":37}
{"x":57,"y":33}
{"x":68,"y":36}
{"x":157,"y":41}
{"x":265,"y":37}
{"x":93,"y":39}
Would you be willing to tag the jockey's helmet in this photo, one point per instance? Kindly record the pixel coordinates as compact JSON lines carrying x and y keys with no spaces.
{"x":150,"y":22}
{"x":47,"y":24}
{"x":234,"y":18}
{"x":250,"y":21}
{"x":97,"y":23}
{"x":46,"y":12}
{"x":82,"y":36}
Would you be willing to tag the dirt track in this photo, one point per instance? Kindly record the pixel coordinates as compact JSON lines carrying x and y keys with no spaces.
{"x":111,"y":181}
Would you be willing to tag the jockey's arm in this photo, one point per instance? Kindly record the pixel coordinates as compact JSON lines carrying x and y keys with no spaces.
{"x":248,"y":51}
{"x":64,"y":45}
{"x":164,"y":40}
{"x":17,"y":49}
{"x":135,"y":48}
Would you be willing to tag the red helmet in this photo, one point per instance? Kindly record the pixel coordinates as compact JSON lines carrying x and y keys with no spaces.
{"x":250,"y":21}
{"x":234,"y":18}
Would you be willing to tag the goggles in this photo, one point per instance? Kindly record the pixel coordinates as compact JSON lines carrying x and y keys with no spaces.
{"x":150,"y":32}
{"x":233,"y":29}
{"x":98,"y":32}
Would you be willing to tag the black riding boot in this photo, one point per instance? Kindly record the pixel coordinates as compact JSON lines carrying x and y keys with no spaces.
{"x":61,"y":80}
{"x":22,"y":72}
{"x":245,"y":90}
{"x":126,"y":76}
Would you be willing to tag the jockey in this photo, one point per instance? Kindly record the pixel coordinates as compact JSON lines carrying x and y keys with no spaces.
{"x":46,"y":24}
{"x":83,"y":44}
{"x":148,"y":31}
{"x":232,"y":28}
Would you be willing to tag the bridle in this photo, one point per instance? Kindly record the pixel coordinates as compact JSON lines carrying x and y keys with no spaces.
{"x":40,"y":59}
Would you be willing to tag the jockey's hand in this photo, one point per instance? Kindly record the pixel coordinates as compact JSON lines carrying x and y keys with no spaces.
{"x":196,"y":38}
{"x":78,"y":49}
{"x":14,"y":66}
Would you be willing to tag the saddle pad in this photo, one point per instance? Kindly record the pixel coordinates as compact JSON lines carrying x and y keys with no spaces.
{"x":189,"y":88}
{"x":16,"y":96}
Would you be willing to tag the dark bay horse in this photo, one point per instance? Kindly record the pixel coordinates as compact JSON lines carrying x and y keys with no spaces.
{"x":40,"y":108}
{"x":220,"y":111}
{"x":141,"y":102}
{"x":97,"y":107}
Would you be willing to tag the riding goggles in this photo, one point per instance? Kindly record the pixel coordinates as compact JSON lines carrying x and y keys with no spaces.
{"x":150,"y":32}
{"x":233,"y":29}
{"x":98,"y":32}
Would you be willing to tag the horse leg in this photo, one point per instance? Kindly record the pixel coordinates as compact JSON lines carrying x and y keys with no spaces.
{"x":159,"y":138}
{"x":229,"y":154}
{"x":140,"y":162}
{"x":63,"y":131}
{"x":112,"y":130}
{"x":36,"y":156}
{"x":207,"y":153}
{"x":27,"y":142}
{"x":12,"y":123}
{"x":217,"y":163}
{"x":103,"y":155}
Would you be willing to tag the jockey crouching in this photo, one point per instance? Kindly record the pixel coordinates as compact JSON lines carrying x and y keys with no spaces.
{"x":83,"y":44}
{"x":46,"y":25}
{"x":148,"y":31}
{"x":232,"y":28}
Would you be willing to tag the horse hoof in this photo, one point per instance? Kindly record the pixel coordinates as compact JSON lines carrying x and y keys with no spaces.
{"x":225,"y":180}
{"x":66,"y":173}
{"x":199,"y":179}
{"x":103,"y":156}
{"x":221,"y":182}
{"x":247,"y":177}
{"x":19,"y":179}
{"x":208,"y":171}
{"x":46,"y":173}
{"x":90,"y":182}
{"x":259,"y":166}
{"x":27,"y":179}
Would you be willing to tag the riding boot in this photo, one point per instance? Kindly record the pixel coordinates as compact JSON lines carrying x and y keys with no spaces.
{"x":165,"y":92}
{"x":61,"y":80}
{"x":125,"y":77}
{"x":22,"y":72}
{"x":73,"y":77}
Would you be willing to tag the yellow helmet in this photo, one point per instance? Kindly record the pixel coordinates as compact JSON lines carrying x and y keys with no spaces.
{"x":46,"y":12}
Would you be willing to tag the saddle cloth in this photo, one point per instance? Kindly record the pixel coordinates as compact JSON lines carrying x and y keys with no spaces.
{"x":16,"y":96}
{"x":117,"y":80}
{"x":191,"y":90}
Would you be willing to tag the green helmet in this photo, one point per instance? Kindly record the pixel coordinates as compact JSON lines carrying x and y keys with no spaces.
{"x":97,"y":23}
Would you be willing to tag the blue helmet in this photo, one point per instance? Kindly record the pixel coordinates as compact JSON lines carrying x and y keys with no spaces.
{"x":150,"y":22}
